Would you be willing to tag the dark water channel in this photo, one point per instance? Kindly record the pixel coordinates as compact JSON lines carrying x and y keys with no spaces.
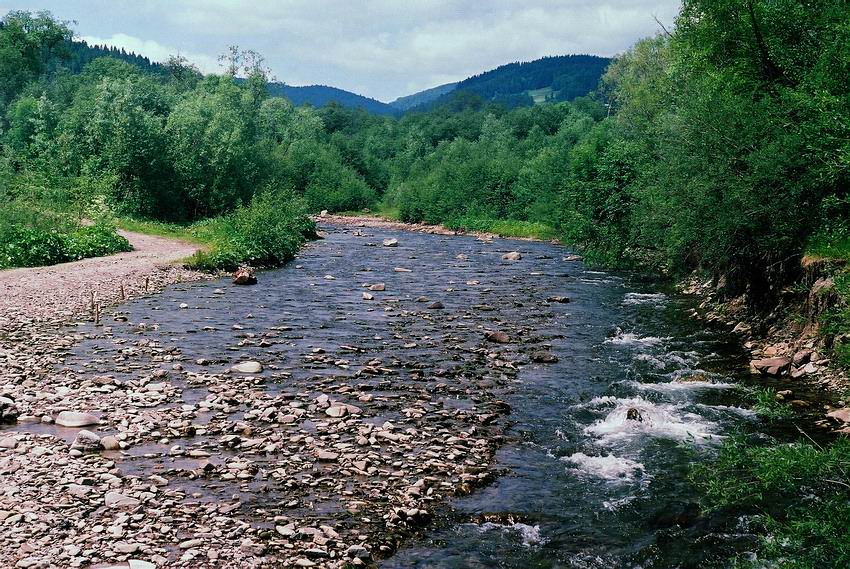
{"x":579,"y":484}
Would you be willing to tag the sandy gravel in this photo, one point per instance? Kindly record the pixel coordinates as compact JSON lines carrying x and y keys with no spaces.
{"x":60,"y":292}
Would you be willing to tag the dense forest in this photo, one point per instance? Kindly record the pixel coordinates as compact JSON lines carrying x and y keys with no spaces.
{"x":721,"y":147}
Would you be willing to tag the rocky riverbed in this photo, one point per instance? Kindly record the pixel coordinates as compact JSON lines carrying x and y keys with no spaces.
{"x":315,"y":419}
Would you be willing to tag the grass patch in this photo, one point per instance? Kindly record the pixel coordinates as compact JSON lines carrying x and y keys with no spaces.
{"x":183,"y":232}
{"x":24,"y":246}
{"x":798,"y":493}
{"x":504,"y":227}
{"x":266,"y":233}
{"x":763,"y":401}
{"x":829,"y":246}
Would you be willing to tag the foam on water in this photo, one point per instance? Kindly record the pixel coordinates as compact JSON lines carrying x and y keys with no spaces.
{"x":608,"y":467}
{"x":632,"y":339}
{"x":658,"y":420}
{"x":530,"y":535}
{"x":633,"y":298}
{"x":679,"y":386}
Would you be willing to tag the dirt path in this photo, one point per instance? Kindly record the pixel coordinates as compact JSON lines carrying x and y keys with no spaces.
{"x":59,"y":292}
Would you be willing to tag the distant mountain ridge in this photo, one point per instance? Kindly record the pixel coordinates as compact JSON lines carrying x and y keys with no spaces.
{"x":556,"y":78}
{"x":422,"y":97}
{"x":321,"y":95}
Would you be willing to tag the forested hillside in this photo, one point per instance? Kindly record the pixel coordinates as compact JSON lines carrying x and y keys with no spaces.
{"x":560,"y":78}
{"x":321,"y":95}
{"x":422,"y":97}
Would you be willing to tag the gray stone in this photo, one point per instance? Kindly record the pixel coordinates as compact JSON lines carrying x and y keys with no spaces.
{"x":76,"y":419}
{"x":248,"y":367}
{"x":86,"y":441}
{"x":119,"y":500}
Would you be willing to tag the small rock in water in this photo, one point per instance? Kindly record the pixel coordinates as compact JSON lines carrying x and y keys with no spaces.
{"x":544,"y":357}
{"x":248,"y":367}
{"x":391,"y":242}
{"x":634,"y":415}
{"x":512,"y":256}
{"x":367,"y":296}
{"x":244,"y":276}
{"x":379,"y":287}
{"x":559,"y":299}
{"x":437,"y":305}
{"x":76,"y":419}
{"x":498,"y":337}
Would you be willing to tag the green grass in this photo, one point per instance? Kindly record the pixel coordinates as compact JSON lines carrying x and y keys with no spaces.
{"x":266,"y":233}
{"x":835,"y":247}
{"x":539,"y":95}
{"x":798,"y":494}
{"x":504,"y":227}
{"x":188,"y":232}
{"x":763,"y":402}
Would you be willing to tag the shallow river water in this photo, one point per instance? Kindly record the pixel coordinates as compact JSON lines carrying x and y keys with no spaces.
{"x":579,"y":484}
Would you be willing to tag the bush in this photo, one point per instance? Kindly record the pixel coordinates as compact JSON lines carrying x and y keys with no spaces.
{"x":95,"y":241}
{"x":22,"y":246}
{"x":266,"y":233}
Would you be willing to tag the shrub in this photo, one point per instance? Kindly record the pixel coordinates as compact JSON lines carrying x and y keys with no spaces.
{"x":266,"y":233}
{"x":95,"y":241}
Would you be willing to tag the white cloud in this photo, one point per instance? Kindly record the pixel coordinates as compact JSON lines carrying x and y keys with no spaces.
{"x":155,"y":51}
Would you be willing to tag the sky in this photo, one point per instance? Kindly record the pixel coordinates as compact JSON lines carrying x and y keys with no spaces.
{"x":379,"y":48}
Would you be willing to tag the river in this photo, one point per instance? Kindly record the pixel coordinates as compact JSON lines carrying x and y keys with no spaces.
{"x":594,"y":464}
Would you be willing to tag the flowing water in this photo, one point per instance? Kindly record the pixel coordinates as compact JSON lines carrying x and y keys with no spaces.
{"x":594,"y":470}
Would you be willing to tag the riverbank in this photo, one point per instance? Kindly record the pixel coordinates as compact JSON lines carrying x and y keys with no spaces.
{"x":378,"y":222}
{"x":182,"y":433}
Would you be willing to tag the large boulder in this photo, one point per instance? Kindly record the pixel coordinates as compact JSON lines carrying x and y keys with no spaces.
{"x":776,"y":366}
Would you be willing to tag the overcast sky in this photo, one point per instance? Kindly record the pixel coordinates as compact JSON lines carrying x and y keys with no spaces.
{"x":379,"y":48}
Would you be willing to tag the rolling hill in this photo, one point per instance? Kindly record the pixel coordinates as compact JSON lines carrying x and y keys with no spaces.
{"x":321,"y":95}
{"x":558,"y":78}
{"x":422,"y":97}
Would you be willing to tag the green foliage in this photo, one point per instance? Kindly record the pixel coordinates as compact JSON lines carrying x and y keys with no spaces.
{"x":265,"y":233}
{"x":22,"y":246}
{"x":94,"y":241}
{"x":800,"y":493}
{"x":766,"y":405}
